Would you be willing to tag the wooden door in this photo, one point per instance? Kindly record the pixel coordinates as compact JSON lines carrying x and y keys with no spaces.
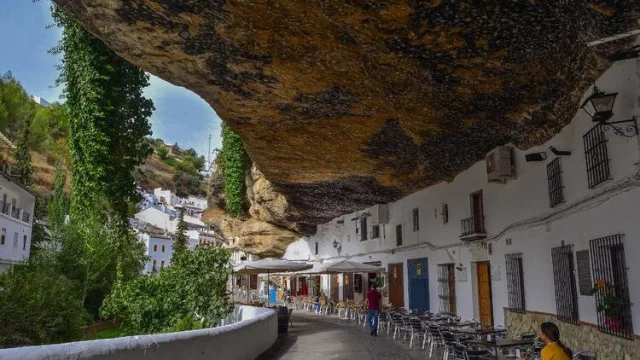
{"x":253,"y":282}
{"x":451,"y":283}
{"x":477,"y":209}
{"x":335,"y":288}
{"x":418,"y":275}
{"x":347,"y":287}
{"x":485,"y":303}
{"x":396,"y":285}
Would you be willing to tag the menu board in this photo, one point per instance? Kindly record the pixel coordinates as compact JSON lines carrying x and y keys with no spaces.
{"x":584,"y":272}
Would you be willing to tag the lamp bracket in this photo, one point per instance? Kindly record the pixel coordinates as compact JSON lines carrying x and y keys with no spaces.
{"x":625,"y":128}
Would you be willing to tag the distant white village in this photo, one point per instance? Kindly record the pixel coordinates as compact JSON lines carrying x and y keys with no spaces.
{"x":157,"y":221}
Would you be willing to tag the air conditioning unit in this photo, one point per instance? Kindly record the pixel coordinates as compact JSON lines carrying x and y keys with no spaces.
{"x":500,"y":165}
{"x":380,"y":214}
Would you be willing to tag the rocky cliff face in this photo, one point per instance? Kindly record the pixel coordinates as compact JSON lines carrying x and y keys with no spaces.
{"x":343,"y":104}
{"x":264,"y":232}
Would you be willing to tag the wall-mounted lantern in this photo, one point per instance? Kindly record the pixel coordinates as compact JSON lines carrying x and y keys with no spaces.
{"x":599,"y":106}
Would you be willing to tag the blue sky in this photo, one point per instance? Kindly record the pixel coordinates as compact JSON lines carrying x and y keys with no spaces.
{"x":181,"y":116}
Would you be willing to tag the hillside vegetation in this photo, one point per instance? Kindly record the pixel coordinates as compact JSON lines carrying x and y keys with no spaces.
{"x":168,"y":166}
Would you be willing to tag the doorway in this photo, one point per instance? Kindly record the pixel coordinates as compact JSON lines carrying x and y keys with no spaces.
{"x":477,"y":209}
{"x":396,"y":285}
{"x":447,"y":288}
{"x":418,"y":275}
{"x":347,"y":287}
{"x":485,"y":301}
{"x":335,"y":288}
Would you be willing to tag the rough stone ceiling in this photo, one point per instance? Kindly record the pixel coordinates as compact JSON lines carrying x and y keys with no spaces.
{"x":343,"y":104}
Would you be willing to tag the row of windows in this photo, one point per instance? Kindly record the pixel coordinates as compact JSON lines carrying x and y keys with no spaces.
{"x":153,"y":266}
{"x":608,"y":271}
{"x":155,"y":248}
{"x":16,"y":236}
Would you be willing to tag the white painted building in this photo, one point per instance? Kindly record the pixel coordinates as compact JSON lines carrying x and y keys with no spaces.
{"x":194,"y":206}
{"x":432,"y":266}
{"x":40,"y":101}
{"x":159,"y":251}
{"x":157,"y":218}
{"x":165,"y":196}
{"x":16,"y":219}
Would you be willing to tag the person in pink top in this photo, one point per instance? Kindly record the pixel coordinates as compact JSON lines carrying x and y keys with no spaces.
{"x":374,"y":306}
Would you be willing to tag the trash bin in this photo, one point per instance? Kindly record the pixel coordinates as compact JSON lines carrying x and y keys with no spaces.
{"x":283,"y":319}
{"x":272,"y":295}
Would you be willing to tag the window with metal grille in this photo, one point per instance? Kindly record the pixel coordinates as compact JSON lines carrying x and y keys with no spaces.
{"x":398,"y":235}
{"x":416,"y":220}
{"x":316,"y":249}
{"x":595,"y":153}
{"x":446,"y":289}
{"x":610,"y":274}
{"x":363,"y":229}
{"x":554,"y":179}
{"x":515,"y":282}
{"x":375,"y":231}
{"x":564,"y":280}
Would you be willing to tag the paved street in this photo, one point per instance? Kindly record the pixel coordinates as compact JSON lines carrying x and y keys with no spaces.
{"x":320,"y":337}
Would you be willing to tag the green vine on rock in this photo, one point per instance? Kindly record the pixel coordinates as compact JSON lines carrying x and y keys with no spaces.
{"x":108,"y":118}
{"x":234,"y":164}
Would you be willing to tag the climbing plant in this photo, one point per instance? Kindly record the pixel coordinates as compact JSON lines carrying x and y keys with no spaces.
{"x":234,"y":163}
{"x":108,"y":118}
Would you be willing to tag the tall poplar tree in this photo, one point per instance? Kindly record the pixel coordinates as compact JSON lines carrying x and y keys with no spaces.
{"x":22,"y":156}
{"x":180,"y":242}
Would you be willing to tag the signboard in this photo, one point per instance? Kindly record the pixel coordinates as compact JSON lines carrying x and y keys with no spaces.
{"x":584,"y":272}
{"x":418,"y":269}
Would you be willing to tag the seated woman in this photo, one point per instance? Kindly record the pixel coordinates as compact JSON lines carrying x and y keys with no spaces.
{"x":554,"y":348}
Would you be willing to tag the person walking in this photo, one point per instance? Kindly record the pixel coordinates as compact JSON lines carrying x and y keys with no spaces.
{"x":374,"y":306}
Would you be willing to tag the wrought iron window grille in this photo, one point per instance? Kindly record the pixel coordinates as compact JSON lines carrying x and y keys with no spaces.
{"x":596,"y":156}
{"x":564,"y":281}
{"x":611,"y":289}
{"x":515,"y":282}
{"x":554,"y":179}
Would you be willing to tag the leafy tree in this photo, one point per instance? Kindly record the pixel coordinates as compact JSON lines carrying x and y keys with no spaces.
{"x":39,"y":306}
{"x":163,"y":152}
{"x":234,"y":164}
{"x":189,"y":294}
{"x":180,"y":242}
{"x":109,"y":119}
{"x":16,"y":106}
{"x":22,"y":156}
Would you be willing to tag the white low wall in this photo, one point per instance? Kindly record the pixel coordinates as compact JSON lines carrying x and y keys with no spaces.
{"x":254,"y":333}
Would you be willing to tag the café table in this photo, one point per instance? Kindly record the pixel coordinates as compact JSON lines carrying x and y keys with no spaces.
{"x":500,"y":344}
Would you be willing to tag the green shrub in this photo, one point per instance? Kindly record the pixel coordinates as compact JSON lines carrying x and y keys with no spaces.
{"x":163,"y":152}
{"x":39,"y":306}
{"x":189,"y":294}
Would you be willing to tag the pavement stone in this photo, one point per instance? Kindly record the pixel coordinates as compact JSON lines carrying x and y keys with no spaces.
{"x":320,"y":337}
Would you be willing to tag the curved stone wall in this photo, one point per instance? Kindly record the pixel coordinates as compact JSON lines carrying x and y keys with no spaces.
{"x":254,"y":332}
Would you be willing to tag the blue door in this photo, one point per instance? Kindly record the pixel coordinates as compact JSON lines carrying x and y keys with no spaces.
{"x":418,"y":272}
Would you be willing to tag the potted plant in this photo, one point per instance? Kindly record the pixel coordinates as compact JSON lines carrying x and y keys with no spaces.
{"x":610,"y":305}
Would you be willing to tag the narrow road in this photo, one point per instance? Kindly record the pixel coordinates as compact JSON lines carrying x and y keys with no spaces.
{"x":318,"y":337}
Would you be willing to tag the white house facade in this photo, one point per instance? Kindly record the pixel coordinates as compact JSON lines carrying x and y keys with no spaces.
{"x":517,"y":252}
{"x":16,"y":219}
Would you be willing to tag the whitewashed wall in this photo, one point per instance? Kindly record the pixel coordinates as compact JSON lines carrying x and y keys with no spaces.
{"x":10,"y":252}
{"x":518,"y":210}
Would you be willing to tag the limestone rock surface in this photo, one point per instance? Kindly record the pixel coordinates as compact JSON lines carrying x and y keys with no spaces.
{"x":343,"y":104}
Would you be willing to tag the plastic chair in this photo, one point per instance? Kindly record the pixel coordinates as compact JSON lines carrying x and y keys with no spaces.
{"x":586,"y":355}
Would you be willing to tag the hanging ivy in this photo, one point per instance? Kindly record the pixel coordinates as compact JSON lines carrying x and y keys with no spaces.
{"x":234,"y":163}
{"x":108,"y":118}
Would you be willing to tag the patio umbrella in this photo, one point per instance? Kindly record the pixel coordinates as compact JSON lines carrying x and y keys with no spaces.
{"x":269,"y":266}
{"x":346,"y":266}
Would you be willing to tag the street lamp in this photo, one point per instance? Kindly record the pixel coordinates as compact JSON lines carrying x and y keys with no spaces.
{"x":599,"y":106}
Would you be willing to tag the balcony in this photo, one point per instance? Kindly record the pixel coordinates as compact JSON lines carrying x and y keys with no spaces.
{"x":14,"y":212}
{"x":472,"y":228}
